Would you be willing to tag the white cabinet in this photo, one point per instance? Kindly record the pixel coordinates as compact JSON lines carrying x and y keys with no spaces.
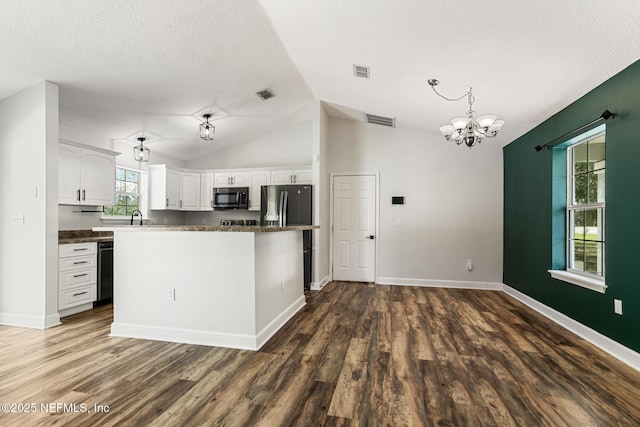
{"x":77,"y":276}
{"x":206,"y":191}
{"x":256,"y":180}
{"x":86,"y":176}
{"x":291,"y":176}
{"x":231,"y":179}
{"x":189,"y":191}
{"x":164,"y":187}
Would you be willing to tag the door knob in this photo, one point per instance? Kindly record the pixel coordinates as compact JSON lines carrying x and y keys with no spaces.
{"x":371,"y":237}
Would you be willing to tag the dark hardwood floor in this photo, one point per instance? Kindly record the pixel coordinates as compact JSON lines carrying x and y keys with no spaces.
{"x":357,"y":354}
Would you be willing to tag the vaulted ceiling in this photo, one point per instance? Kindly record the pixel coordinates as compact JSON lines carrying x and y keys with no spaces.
{"x":153,"y":68}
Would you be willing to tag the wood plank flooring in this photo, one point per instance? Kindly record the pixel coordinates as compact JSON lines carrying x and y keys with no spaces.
{"x":357,"y":355}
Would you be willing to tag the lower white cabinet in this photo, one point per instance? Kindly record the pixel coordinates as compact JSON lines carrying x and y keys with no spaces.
{"x":77,"y":275}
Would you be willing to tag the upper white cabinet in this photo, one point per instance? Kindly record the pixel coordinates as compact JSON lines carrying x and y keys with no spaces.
{"x":192,"y":190}
{"x":256,"y":180}
{"x":291,"y":176}
{"x":231,"y":179}
{"x":86,"y":176}
{"x":164,"y":187}
{"x":206,"y":191}
{"x":189,"y":191}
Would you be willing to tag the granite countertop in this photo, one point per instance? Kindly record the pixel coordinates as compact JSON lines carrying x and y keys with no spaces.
{"x":228,"y":228}
{"x":83,"y":236}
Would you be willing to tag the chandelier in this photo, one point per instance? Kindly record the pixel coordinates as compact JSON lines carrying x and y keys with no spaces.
{"x":140,"y":152}
{"x":468,"y":130}
{"x":207,"y":130}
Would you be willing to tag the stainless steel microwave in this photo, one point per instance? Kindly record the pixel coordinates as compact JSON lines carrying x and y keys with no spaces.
{"x":231,"y":198}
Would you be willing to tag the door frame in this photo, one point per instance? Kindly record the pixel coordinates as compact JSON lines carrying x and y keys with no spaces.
{"x":376,"y":176}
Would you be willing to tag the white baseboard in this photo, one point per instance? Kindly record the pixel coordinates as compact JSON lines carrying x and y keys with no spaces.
{"x":460,"y":284}
{"x":277,"y":323}
{"x":209,"y":338}
{"x":614,"y":348}
{"x":29,"y":321}
{"x":184,"y":336}
{"x":52,"y":320}
{"x":316,"y":286}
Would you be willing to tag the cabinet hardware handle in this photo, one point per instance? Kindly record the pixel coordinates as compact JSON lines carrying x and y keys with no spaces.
{"x":80,"y":275}
{"x":80,"y":262}
{"x":78,"y":196}
{"x":84,"y":195}
{"x":180,"y":203}
{"x":80,"y":249}
{"x":79,"y":293}
{"x":167,"y":203}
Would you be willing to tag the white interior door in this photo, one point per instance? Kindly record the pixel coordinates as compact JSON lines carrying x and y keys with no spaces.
{"x":354,"y":223}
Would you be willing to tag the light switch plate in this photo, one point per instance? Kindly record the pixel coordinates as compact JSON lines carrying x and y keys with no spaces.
{"x":617,"y":306}
{"x":17,"y":219}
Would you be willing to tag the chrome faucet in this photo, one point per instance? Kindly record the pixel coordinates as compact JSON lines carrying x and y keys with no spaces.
{"x":136,"y":213}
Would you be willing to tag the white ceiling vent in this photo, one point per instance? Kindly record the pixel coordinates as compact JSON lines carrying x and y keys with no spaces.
{"x":265,"y":94}
{"x":361,"y":71}
{"x":380,"y":120}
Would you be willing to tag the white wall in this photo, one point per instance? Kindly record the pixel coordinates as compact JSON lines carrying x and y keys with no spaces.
{"x":29,"y":189}
{"x":290,"y":144}
{"x":321,"y":194}
{"x":453,"y":201}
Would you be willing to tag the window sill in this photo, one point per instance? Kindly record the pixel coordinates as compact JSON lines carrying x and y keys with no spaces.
{"x":579,"y":280}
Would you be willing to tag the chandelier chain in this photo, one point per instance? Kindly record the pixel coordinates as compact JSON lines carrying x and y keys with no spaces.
{"x":467,"y":93}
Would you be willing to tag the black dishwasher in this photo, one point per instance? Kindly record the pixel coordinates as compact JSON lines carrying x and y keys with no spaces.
{"x":105,"y":273}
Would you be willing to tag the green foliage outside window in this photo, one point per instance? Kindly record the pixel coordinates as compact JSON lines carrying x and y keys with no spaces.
{"x":127,"y":193}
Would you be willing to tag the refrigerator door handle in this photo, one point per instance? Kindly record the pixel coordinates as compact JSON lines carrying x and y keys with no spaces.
{"x":280,"y":208}
{"x":284,"y":210}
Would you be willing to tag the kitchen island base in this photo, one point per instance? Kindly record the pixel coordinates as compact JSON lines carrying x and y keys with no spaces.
{"x":227,"y":289}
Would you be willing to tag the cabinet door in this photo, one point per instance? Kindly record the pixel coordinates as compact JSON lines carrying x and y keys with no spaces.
{"x":222,"y":179}
{"x":190,"y":191}
{"x":302,"y":176}
{"x":281,"y":177}
{"x":173,"y":189}
{"x":240,"y":179}
{"x":206,"y":191}
{"x":98,"y":179}
{"x":256,"y":180}
{"x":68,"y":175}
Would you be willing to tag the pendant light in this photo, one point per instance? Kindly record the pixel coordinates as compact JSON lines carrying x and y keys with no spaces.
{"x":207,"y":130}
{"x":468,"y":130}
{"x":140,"y":152}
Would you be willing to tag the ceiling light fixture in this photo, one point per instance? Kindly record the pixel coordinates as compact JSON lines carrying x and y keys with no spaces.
{"x":140,"y":152}
{"x":468,"y":129}
{"x":207,"y":130}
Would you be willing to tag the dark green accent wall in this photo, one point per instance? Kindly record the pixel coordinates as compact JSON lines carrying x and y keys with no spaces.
{"x":529,"y":210}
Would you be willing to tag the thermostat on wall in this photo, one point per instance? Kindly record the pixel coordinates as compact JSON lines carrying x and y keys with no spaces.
{"x":397,"y":200}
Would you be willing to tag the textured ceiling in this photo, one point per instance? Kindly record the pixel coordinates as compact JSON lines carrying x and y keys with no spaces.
{"x":127,"y":68}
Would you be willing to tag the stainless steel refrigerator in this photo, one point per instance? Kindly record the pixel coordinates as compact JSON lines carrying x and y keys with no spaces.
{"x":290,"y":205}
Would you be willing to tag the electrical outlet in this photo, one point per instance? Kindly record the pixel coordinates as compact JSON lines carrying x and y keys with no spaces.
{"x":469,"y":264}
{"x":617,"y":306}
{"x":171,"y":294}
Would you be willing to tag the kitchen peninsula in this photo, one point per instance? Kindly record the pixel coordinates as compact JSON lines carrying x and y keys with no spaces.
{"x":227,"y":286}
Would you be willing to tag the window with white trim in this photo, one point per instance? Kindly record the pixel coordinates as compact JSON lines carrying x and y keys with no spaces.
{"x":128,"y":193}
{"x":586,"y":206}
{"x":578,"y":211}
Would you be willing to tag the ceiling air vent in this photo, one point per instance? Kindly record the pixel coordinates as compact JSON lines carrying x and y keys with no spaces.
{"x":265,"y":94}
{"x":380,"y":120}
{"x":361,"y":71}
